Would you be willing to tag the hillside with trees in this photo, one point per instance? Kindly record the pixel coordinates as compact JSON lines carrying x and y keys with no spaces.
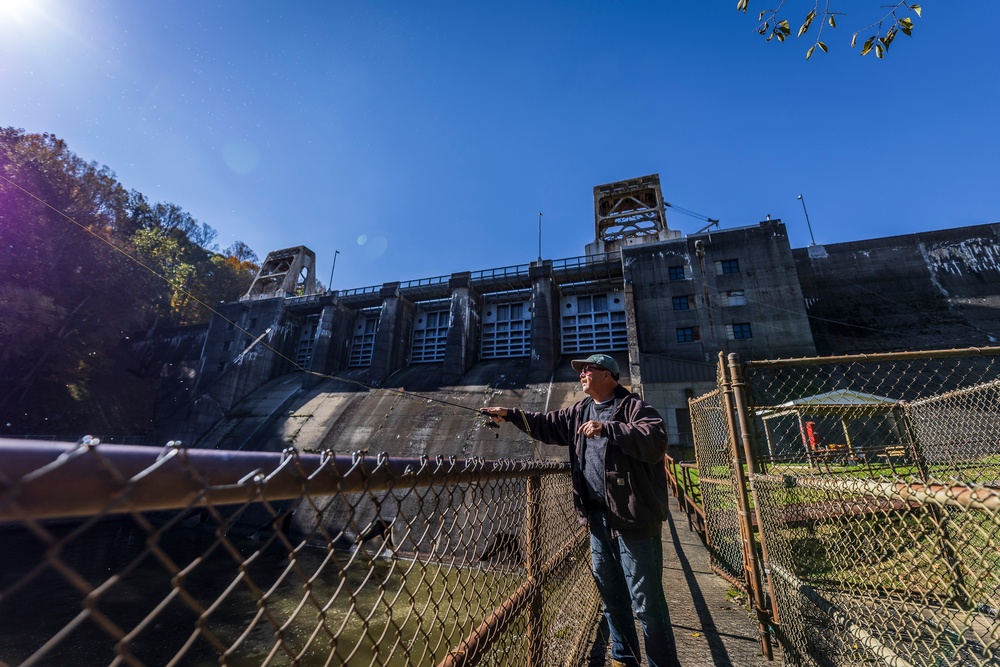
{"x":84,"y":264}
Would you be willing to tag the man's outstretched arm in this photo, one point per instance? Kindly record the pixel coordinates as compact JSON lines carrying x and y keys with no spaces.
{"x":553,"y":428}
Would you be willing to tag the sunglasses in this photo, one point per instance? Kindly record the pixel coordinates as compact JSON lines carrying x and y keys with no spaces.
{"x":588,"y":370}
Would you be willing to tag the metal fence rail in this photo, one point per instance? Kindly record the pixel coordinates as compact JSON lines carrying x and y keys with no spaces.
{"x":875,"y":481}
{"x":142,"y":556}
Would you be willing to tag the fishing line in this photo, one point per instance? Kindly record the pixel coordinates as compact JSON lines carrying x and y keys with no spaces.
{"x":260,"y":340}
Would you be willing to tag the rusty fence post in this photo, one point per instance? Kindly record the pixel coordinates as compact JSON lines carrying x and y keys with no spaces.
{"x":736,"y":416}
{"x":533,"y":565}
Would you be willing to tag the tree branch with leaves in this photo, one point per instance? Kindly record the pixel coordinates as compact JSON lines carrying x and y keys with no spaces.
{"x":897,"y":18}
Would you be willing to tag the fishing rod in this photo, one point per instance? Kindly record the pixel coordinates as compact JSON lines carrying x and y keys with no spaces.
{"x":488,"y":423}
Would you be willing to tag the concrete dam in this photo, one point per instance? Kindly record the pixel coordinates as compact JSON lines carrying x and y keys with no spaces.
{"x":414,"y":414}
{"x":402,"y":367}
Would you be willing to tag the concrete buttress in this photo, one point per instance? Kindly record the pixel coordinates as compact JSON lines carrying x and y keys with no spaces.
{"x":395,"y":326}
{"x":545,"y":347}
{"x":462,"y":347}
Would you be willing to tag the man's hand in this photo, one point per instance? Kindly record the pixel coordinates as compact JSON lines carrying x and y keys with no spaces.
{"x":496,"y":414}
{"x":590,"y":429}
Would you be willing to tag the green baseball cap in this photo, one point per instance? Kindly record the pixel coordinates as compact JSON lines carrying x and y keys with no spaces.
{"x":602,"y":360}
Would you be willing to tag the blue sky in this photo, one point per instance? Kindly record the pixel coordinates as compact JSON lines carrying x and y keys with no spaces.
{"x":419,"y":139}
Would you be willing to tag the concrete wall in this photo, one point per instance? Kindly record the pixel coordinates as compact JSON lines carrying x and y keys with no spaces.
{"x":670,"y":400}
{"x":774,"y":308}
{"x":169,"y":357}
{"x":928,"y":290}
{"x":333,"y":339}
{"x":232,"y":365}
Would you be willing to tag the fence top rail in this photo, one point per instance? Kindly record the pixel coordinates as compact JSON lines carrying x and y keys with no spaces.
{"x":698,"y":400}
{"x":966,"y":496}
{"x":958,"y":393}
{"x":44,"y":480}
{"x":882,"y":356}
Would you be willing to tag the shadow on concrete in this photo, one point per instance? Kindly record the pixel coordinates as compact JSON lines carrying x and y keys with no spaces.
{"x":720,"y":656}
{"x":602,"y":645}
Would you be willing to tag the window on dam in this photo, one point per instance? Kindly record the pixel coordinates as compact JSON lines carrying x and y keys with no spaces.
{"x":506,"y":330}
{"x":307,"y":340}
{"x":430,"y":334}
{"x":594,"y":322}
{"x":363,"y":340}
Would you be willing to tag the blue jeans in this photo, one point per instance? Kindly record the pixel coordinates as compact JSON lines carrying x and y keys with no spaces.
{"x":629,"y":573}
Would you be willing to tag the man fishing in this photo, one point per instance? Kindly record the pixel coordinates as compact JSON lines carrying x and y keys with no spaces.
{"x":616,"y":446}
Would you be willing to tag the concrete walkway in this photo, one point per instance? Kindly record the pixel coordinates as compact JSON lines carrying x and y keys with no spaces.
{"x":710,"y":629}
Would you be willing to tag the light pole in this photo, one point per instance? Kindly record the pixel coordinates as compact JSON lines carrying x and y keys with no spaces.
{"x":811,"y":237}
{"x":539,"y":237}
{"x":329,"y":288}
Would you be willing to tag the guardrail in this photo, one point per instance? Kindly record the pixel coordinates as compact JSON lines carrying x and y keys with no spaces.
{"x":682,"y":476}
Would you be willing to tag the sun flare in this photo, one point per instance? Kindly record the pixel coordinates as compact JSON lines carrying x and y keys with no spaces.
{"x":16,"y":10}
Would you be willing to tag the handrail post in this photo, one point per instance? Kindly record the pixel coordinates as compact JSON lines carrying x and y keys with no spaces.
{"x":533,"y":562}
{"x":690,"y":503}
{"x":736,"y":416}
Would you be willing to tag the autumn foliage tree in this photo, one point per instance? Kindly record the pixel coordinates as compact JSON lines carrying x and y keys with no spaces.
{"x":83,"y":263}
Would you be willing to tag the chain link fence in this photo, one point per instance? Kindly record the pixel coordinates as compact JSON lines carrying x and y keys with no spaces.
{"x":876,"y":483}
{"x":129,"y":555}
{"x":730,"y":533}
{"x":713,"y":438}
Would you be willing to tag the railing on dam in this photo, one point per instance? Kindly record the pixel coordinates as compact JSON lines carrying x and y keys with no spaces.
{"x":857,"y":501}
{"x":576,"y":273}
{"x":147,"y":556}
